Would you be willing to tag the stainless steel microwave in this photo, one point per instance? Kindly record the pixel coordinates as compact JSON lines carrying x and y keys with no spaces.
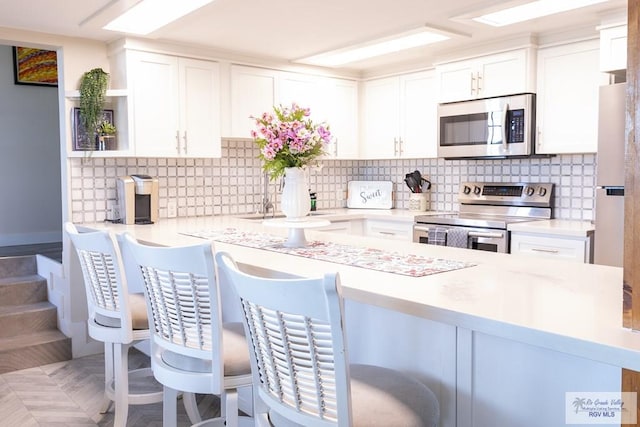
{"x":496,"y":127}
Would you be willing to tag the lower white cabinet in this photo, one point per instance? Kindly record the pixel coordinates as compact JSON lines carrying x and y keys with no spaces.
{"x":569,"y":248}
{"x":396,"y":230}
{"x":353,"y":227}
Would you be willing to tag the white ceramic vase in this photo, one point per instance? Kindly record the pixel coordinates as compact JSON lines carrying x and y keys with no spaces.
{"x":295,"y":201}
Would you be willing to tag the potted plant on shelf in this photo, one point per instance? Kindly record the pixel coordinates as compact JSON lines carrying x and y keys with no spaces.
{"x":93,"y":89}
{"x":106,"y":133}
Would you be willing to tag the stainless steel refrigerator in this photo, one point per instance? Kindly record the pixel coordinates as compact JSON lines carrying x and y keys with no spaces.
{"x":609,"y":216}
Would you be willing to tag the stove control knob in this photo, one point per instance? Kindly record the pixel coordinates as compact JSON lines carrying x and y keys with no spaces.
{"x":476,"y":190}
{"x":466,"y":189}
{"x":542,"y":191}
{"x":529,"y":191}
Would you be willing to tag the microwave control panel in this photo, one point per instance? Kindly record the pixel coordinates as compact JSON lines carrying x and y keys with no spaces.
{"x":516,"y":130}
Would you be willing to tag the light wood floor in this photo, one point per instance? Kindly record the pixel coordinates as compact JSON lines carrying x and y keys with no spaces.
{"x":70,"y":394}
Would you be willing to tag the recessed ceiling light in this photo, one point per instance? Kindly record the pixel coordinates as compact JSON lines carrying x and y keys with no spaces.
{"x":532,"y":10}
{"x":395,"y":43}
{"x":149,"y":15}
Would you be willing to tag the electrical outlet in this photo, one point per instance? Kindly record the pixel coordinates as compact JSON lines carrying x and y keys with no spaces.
{"x":172,"y":211}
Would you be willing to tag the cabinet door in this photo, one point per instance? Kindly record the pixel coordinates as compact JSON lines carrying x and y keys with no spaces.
{"x":567,"y":101}
{"x":381,"y":119}
{"x":303,"y":90}
{"x":154,"y":79}
{"x":418,"y":115}
{"x":252,"y":93}
{"x":613,"y":48}
{"x":455,"y":81}
{"x":341,"y":113}
{"x":503,"y":74}
{"x":199,"y":108}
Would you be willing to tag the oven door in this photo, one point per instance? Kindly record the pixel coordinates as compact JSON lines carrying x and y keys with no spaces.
{"x":483,"y":239}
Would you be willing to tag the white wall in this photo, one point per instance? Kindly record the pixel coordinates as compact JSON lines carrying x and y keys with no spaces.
{"x":30,"y":195}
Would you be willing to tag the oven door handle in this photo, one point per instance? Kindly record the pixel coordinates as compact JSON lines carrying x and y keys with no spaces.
{"x":496,"y":235}
{"x":483,"y":234}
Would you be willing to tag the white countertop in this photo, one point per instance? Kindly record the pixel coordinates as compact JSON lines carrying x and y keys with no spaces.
{"x":557,"y":227}
{"x":564,"y":306}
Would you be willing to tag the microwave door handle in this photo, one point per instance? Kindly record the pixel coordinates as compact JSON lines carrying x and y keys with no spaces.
{"x":505,"y":115}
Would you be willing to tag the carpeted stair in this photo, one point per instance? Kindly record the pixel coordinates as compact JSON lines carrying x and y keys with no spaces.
{"x":28,"y":322}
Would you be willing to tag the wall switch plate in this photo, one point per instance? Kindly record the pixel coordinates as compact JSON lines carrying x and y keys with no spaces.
{"x":172,"y":211}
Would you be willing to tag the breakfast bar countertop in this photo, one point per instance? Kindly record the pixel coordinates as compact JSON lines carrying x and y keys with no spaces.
{"x":563,"y":306}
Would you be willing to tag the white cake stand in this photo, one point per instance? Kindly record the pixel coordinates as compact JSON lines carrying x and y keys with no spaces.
{"x":296,"y":238}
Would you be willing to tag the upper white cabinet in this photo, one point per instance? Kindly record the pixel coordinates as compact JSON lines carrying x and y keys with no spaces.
{"x":340,"y":111}
{"x":175,"y":105}
{"x":399,"y":117}
{"x":253,"y":92}
{"x":613,"y":48}
{"x":492,"y":75}
{"x":331,"y":100}
{"x":567,"y":101}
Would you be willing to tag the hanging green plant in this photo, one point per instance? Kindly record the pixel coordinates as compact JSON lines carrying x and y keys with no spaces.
{"x":93,"y":89}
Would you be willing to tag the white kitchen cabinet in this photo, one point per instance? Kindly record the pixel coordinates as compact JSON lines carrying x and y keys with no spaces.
{"x":253,"y":92}
{"x":569,"y":248}
{"x":613,"y":48}
{"x":351,"y":227}
{"x":396,"y":230}
{"x":331,"y":100}
{"x":175,"y":107}
{"x":399,"y":117}
{"x":340,"y":111}
{"x":492,"y":75}
{"x":569,"y":78}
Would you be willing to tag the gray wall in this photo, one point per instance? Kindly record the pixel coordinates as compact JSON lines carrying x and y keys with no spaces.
{"x":30,"y":188}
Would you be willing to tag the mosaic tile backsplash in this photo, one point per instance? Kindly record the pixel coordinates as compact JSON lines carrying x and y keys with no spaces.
{"x":234,"y":183}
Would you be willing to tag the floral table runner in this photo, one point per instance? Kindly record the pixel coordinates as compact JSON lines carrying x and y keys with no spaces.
{"x":374,"y":259}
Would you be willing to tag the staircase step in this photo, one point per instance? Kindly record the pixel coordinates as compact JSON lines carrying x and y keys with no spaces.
{"x":24,"y":319}
{"x":18,"y":266}
{"x":34,"y":349}
{"x":22,"y":290}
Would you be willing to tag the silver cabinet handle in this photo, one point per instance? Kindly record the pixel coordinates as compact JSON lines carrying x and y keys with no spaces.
{"x":185,"y":142}
{"x":473,"y":83}
{"x":389,"y":233}
{"x":395,"y":147}
{"x":479,"y":79}
{"x":178,"y":141}
{"x":547,"y":251}
{"x":401,"y":143}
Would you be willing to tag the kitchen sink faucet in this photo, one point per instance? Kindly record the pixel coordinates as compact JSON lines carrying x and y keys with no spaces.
{"x":266,"y":202}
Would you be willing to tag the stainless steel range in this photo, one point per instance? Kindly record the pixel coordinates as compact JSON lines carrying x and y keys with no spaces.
{"x":486,"y":209}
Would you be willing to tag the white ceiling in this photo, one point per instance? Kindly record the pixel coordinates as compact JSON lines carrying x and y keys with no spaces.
{"x":285,"y":30}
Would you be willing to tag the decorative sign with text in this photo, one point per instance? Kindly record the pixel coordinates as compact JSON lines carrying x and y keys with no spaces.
{"x":370,"y":195}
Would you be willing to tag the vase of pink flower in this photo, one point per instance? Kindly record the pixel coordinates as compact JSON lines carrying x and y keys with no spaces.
{"x":289,"y":141}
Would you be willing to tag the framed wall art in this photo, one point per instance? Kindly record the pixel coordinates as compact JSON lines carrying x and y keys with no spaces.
{"x":81,"y":141}
{"x":35,"y":66}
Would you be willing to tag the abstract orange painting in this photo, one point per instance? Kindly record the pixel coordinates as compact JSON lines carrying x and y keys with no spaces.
{"x":35,"y":66}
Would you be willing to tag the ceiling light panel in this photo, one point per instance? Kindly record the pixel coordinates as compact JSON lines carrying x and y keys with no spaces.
{"x":149,"y":15}
{"x":532,"y":10}
{"x":403,"y":41}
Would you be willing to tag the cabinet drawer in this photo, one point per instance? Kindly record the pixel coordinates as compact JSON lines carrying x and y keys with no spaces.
{"x":570,"y":249}
{"x":389,"y":229}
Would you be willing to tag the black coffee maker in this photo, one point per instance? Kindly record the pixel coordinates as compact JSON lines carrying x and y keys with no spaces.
{"x":138,"y":199}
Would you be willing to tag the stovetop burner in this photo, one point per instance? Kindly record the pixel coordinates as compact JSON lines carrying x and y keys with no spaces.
{"x":495,"y":205}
